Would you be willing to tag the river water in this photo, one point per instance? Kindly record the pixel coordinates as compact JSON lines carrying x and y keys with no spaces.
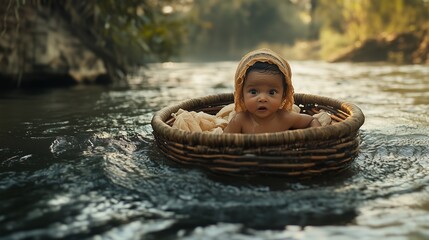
{"x":81,"y":163}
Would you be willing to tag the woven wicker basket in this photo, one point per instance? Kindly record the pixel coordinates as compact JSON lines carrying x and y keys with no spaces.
{"x":301,"y":152}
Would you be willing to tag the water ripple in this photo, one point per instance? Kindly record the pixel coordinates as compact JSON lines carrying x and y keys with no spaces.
{"x":89,"y":168}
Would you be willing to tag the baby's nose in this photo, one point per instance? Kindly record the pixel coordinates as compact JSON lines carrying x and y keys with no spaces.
{"x":262,"y":98}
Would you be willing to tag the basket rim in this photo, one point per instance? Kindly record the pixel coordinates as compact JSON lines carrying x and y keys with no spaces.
{"x":349,"y":126}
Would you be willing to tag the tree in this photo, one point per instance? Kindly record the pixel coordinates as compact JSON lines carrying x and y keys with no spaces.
{"x":122,"y":34}
{"x":349,"y":23}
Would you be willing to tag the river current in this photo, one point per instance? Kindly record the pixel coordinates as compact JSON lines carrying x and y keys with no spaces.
{"x":81,"y":162}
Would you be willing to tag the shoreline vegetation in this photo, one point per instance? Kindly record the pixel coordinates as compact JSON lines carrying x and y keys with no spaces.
{"x":63,"y":43}
{"x":401,"y":48}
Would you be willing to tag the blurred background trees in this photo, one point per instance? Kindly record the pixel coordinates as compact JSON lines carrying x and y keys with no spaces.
{"x":128,"y":34}
{"x":346,"y":24}
{"x":317,"y":28}
{"x":227,"y":29}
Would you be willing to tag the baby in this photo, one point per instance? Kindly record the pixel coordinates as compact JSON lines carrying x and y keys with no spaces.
{"x":264,"y":96}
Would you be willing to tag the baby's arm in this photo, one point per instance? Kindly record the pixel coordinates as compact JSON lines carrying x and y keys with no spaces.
{"x":304,"y":121}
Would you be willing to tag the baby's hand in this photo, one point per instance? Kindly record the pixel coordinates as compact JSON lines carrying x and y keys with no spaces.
{"x":315,"y":123}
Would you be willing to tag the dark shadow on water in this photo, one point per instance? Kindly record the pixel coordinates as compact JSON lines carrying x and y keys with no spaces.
{"x":301,"y":202}
{"x":252,"y":220}
{"x":279,"y":183}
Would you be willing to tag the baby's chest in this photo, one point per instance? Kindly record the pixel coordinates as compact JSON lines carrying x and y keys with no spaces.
{"x":266,"y":127}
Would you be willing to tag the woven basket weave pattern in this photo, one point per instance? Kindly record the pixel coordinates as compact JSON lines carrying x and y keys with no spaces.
{"x":301,"y":152}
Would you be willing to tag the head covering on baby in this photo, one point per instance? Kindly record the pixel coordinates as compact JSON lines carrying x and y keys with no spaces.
{"x":262,"y":55}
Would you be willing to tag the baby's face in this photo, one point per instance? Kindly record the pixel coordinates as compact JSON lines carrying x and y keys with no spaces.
{"x":263,"y":93}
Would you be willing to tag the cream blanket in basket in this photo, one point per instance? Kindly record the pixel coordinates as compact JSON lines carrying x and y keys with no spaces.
{"x":203,"y":122}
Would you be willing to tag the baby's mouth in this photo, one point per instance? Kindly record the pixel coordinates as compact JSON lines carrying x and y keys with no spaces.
{"x":262,"y":108}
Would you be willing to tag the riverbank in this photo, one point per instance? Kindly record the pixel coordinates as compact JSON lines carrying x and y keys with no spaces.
{"x":401,"y":48}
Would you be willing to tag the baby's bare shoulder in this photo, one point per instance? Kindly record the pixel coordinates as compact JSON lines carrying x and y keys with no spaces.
{"x":287,"y":114}
{"x":235,"y":125}
{"x":241,"y":116}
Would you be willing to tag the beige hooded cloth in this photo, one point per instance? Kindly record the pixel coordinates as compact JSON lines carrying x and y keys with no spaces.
{"x":262,"y":55}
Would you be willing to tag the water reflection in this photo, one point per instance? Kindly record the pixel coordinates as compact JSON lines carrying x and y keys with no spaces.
{"x":77,"y":167}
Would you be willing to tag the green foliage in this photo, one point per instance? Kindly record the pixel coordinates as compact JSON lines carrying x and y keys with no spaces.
{"x":346,"y":23}
{"x":133,"y":31}
{"x":142,"y":30}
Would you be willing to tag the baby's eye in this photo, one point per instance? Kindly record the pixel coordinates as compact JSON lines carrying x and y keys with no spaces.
{"x":253,"y":91}
{"x":273,"y":92}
